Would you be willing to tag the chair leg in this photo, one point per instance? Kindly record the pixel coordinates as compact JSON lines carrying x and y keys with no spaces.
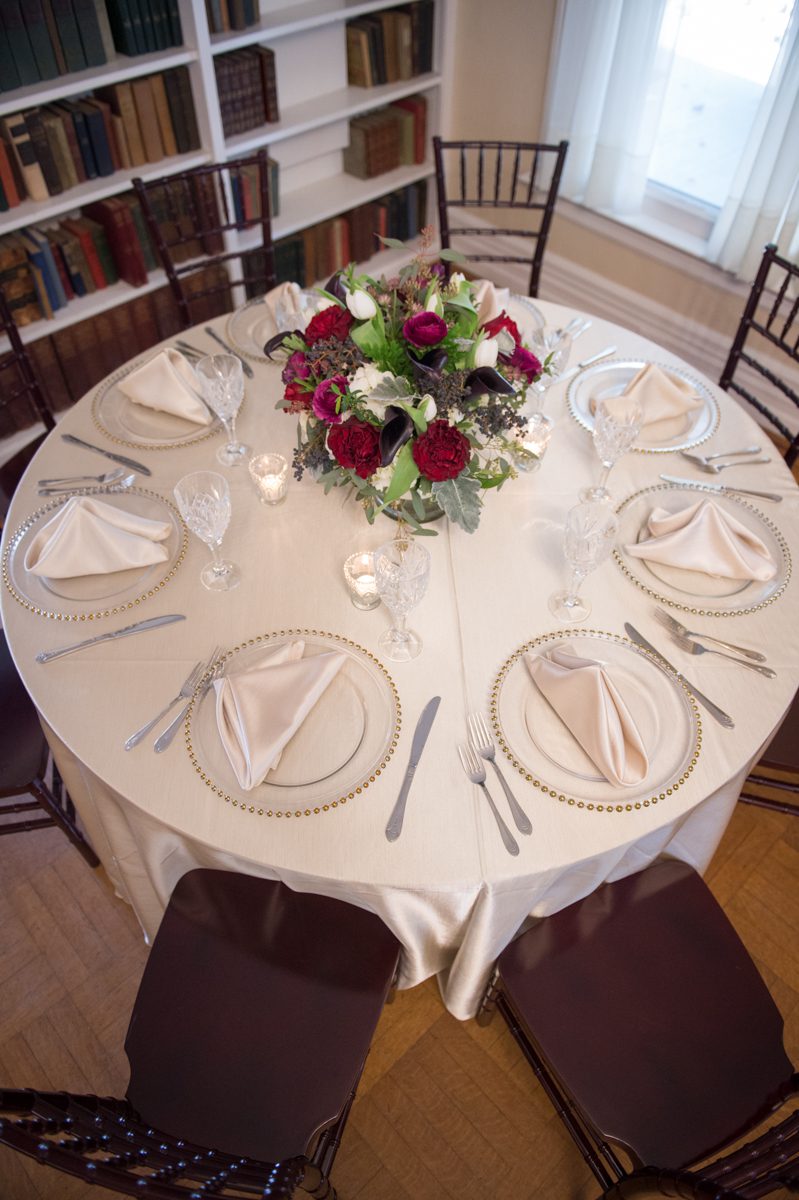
{"x":62,"y":818}
{"x":782,"y":806}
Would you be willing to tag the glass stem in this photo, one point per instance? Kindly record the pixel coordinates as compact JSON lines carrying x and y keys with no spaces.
{"x":400,"y":632}
{"x":577,"y":578}
{"x":218,"y":564}
{"x":603,"y":478}
{"x":230,"y":429}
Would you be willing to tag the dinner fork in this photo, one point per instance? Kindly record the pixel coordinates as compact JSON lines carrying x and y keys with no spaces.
{"x":715,"y":468}
{"x":192,"y":679}
{"x":211,"y":671}
{"x":483,"y":743}
{"x":675,"y":626}
{"x":685,"y":643}
{"x":473,"y":766}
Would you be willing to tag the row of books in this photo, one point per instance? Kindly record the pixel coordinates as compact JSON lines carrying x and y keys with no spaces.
{"x":316,"y":252}
{"x":389,"y":46}
{"x":246,"y":193}
{"x":44,"y":39}
{"x":246,"y":82}
{"x":386,"y":138}
{"x":224,"y":15}
{"x":46,"y":151}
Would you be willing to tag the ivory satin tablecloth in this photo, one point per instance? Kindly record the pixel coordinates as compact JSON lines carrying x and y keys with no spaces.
{"x":447,"y":887}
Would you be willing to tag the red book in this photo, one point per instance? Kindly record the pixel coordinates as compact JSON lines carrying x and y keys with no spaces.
{"x":77,"y":226}
{"x":117,"y":221}
{"x":7,"y":176}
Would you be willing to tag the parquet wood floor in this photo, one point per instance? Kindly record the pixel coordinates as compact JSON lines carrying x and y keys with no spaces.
{"x":445,"y":1109}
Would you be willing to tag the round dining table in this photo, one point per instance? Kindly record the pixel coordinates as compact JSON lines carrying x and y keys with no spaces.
{"x":447,"y":886}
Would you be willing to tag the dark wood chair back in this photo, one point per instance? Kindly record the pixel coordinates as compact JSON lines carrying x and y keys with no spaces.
{"x":497,"y":176}
{"x":248,"y":1036}
{"x":652,"y":1032}
{"x":195,"y":218}
{"x":22,"y":404}
{"x":768,"y":335}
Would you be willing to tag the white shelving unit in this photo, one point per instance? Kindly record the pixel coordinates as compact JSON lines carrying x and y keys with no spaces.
{"x":316,"y":104}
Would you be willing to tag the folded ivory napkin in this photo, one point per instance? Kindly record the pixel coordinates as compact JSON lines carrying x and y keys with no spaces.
{"x":661,"y":396}
{"x":89,"y":537}
{"x":703,"y":537}
{"x":490,"y":300}
{"x":168,"y":383}
{"x":259,"y":709}
{"x":590,"y":706}
{"x":284,"y":311}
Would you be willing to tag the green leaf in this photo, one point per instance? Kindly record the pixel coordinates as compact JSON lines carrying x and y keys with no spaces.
{"x":393,"y":243}
{"x":452,"y":256}
{"x":459,"y":500}
{"x":405,"y":472}
{"x":371,"y":337}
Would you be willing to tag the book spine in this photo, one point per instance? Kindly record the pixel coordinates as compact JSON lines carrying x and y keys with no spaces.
{"x":148,"y":119}
{"x":55,"y":40}
{"x":59,"y":148}
{"x":41,"y":148}
{"x":61,"y":267}
{"x":41,"y":274}
{"x":31,"y":172}
{"x":89,"y":250}
{"x":95,"y":127}
{"x":104,"y":25}
{"x":140,"y":42}
{"x":121,"y":24}
{"x":69,"y":35}
{"x":39,"y":37}
{"x":269,"y":82}
{"x":9,"y":75}
{"x":89,"y":30}
{"x":7,"y":176}
{"x":187,"y":105}
{"x":172,"y":89}
{"x":175,"y":27}
{"x":68,"y":125}
{"x":103,"y":248}
{"x":104,"y":109}
{"x":162,"y":112}
{"x":19,"y":42}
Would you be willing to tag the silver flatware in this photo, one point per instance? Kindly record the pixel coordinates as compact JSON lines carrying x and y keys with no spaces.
{"x":119,"y":458}
{"x":192,"y":679}
{"x":420,"y":736}
{"x":685,"y":643}
{"x":109,"y":477}
{"x":576,"y":327}
{"x":483,"y":744}
{"x":45,"y":656}
{"x":211,"y":671}
{"x":713,"y":709}
{"x":75,"y":489}
{"x":245,"y":366}
{"x":189,"y":350}
{"x":675,"y":626}
{"x":714,"y":468}
{"x":704,"y":459}
{"x":473,"y":766}
{"x":587,"y":362}
{"x":721,"y":488}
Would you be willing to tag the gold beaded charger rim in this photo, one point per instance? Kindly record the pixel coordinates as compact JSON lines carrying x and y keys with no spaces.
{"x":768,"y":593}
{"x":359,"y":786}
{"x":17,"y":539}
{"x":664,"y":792}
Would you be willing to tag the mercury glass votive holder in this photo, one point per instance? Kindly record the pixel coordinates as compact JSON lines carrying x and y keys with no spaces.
{"x":270,"y":474}
{"x":359,"y":573}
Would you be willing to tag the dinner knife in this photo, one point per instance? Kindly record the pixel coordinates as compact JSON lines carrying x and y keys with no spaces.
{"x":245,"y":366}
{"x":139,"y":627}
{"x":713,"y":709}
{"x":721,"y":487}
{"x":421,"y":733}
{"x":118,"y":458}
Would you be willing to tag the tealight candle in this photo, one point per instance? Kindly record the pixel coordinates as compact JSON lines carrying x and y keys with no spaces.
{"x":359,"y":572}
{"x":534,"y":442}
{"x":270,"y":474}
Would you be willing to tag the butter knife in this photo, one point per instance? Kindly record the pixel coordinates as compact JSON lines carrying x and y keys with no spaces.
{"x":713,"y":709}
{"x":421,"y":733}
{"x":245,"y":366}
{"x":118,"y":458}
{"x":139,"y":627}
{"x":721,"y":487}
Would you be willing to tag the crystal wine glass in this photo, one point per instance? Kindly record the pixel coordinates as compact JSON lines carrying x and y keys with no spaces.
{"x":614,"y":433}
{"x":204,"y":503}
{"x":402,"y":572}
{"x":588,"y":539}
{"x":555,"y":345}
{"x":222,"y":382}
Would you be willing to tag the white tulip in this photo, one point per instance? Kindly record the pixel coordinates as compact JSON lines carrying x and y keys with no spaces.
{"x":434,"y":304}
{"x":455,"y":280}
{"x":361,"y":305}
{"x":486,"y":352}
{"x":428,"y":408}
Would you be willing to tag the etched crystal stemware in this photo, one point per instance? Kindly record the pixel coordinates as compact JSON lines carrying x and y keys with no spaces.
{"x":615,"y":430}
{"x":588,"y":538}
{"x":402,"y":572}
{"x":222,"y":382}
{"x":552,"y":347}
{"x":203,"y":499}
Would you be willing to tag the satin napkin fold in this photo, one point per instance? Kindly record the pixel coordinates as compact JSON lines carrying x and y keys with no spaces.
{"x":168,"y":383}
{"x":259,"y":709}
{"x":661,"y":396}
{"x":284,"y":311}
{"x":703,"y":537}
{"x":89,"y":537}
{"x":489,"y":300}
{"x":585,"y":698}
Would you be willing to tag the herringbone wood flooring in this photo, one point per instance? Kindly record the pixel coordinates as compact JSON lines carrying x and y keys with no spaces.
{"x":445,"y":1109}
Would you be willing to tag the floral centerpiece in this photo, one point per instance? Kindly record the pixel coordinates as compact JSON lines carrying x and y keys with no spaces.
{"x":406,"y":395}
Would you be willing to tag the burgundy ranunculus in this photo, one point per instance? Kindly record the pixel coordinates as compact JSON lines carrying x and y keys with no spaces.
{"x":522,"y":363}
{"x":332,"y":322}
{"x":355,"y":445}
{"x":326,"y":401}
{"x":503,"y":321}
{"x":442,"y":452}
{"x":297,"y":399}
{"x":296,"y":367}
{"x":424,"y":329}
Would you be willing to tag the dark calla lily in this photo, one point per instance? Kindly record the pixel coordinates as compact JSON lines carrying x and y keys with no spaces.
{"x":394,"y":434}
{"x":430,"y":365}
{"x":484,"y":381}
{"x":336,"y":288}
{"x":277,"y":341}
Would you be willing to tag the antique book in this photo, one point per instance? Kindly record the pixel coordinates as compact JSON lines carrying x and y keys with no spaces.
{"x":69,"y":246}
{"x":121,"y":141}
{"x":359,"y":59}
{"x":104,"y":26}
{"x":163,"y":114}
{"x":148,"y":119}
{"x":95,"y":128}
{"x":7,"y":176}
{"x":268,"y":70}
{"x":16,"y":280}
{"x":60,"y":262}
{"x":41,"y":148}
{"x":53,"y":125}
{"x":75,"y":118}
{"x":18,"y":42}
{"x":39,"y":38}
{"x":18,"y":138}
{"x":418,"y":106}
{"x":90,"y":35}
{"x":68,"y":34}
{"x":120,"y":97}
{"x":104,"y":108}
{"x":68,"y":129}
{"x":116,"y":220}
{"x":142,"y":233}
{"x":80,"y":227}
{"x":121,"y":22}
{"x":407,"y":139}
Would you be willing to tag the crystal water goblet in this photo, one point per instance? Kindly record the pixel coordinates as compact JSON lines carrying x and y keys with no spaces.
{"x":588,"y":537}
{"x":222,"y":382}
{"x":552,"y":347}
{"x":402,"y":572}
{"x":203,"y":499}
{"x":615,"y":430}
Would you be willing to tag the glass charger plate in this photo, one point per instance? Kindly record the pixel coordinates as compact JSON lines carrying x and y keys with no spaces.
{"x":243,"y":324}
{"x":543,"y":750}
{"x":607,"y":379}
{"x":529,"y":309}
{"x":694,"y":591}
{"x":344,"y":744}
{"x":131,"y":424}
{"x":88,"y":597}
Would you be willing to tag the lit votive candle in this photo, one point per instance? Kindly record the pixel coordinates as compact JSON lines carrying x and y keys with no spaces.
{"x":534,"y":442}
{"x":270,"y":474}
{"x":359,"y":572}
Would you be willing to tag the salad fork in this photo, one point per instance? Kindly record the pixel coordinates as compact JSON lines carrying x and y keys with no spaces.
{"x":192,"y":679}
{"x":211,"y":671}
{"x":704,"y":459}
{"x":675,"y":626}
{"x":483,"y":744}
{"x":715,"y":468}
{"x":685,"y":643}
{"x":474,"y":768}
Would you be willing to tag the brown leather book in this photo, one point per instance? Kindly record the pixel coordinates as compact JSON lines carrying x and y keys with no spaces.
{"x":121,"y":139}
{"x":120,"y":97}
{"x":7,"y":179}
{"x":16,"y":135}
{"x":16,"y":280}
{"x":59,"y":147}
{"x":359,"y":63}
{"x":266,"y":60}
{"x":162,"y":111}
{"x":116,"y":220}
{"x":148,"y":119}
{"x":68,"y":127}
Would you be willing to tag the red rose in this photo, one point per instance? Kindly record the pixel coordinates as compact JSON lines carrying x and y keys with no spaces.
{"x":442,"y":452}
{"x":355,"y":445}
{"x":332,"y":322}
{"x":425,"y":329}
{"x":297,"y":398}
{"x":522,"y":363}
{"x":503,"y":321}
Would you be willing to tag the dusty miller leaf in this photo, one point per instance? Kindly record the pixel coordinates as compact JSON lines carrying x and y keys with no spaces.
{"x":459,"y":500}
